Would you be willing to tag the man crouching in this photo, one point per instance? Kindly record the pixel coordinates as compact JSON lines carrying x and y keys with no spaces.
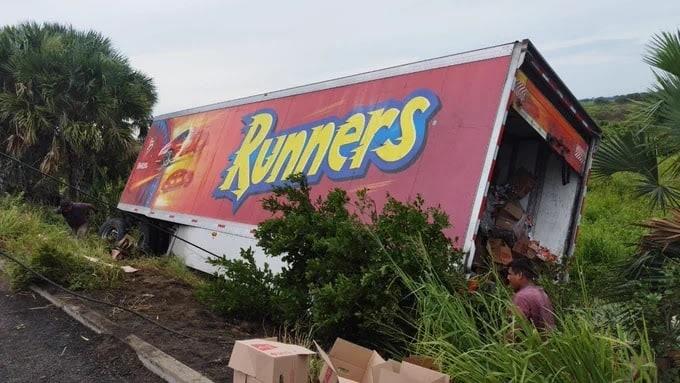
{"x":76,"y":216}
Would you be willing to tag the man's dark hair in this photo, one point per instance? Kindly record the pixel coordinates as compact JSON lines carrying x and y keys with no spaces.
{"x":523,"y":266}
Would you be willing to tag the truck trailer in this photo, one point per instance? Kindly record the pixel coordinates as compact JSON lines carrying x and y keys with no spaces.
{"x":492,"y":136}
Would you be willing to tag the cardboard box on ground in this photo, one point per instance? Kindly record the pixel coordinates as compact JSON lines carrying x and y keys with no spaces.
{"x":268,"y":361}
{"x":405,"y":372}
{"x":347,"y":362}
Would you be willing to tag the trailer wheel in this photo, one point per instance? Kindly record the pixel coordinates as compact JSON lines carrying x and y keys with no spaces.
{"x":113,"y":230}
{"x":153,"y":238}
{"x":144,"y":243}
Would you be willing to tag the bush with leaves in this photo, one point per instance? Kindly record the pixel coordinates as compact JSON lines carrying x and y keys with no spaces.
{"x":241,"y":290}
{"x":338,"y":279}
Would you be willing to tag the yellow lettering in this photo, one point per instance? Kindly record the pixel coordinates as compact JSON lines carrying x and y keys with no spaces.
{"x":260,"y":125}
{"x":348,"y":133}
{"x":379,"y":119}
{"x":264,"y":162}
{"x":392,"y":152}
{"x":319,"y":140}
{"x":295,"y":143}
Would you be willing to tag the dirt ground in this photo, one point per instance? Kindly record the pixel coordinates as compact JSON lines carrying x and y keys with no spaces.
{"x":173,"y":304}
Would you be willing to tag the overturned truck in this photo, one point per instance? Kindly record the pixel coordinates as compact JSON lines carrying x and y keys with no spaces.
{"x":493,"y":136}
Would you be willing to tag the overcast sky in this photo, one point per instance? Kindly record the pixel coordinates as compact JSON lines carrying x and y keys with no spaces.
{"x":210,"y":51}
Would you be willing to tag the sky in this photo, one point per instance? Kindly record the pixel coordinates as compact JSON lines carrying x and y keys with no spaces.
{"x":203,"y":52}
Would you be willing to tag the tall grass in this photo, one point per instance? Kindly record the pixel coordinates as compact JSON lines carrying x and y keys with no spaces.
{"x":609,"y":228}
{"x":474,"y":338}
{"x":38,"y":237}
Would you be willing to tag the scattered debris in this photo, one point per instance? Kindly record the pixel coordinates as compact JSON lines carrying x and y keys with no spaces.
{"x":86,"y":339}
{"x":41,"y":307}
{"x":506,"y":226}
{"x":122,"y":247}
{"x":499,"y":250}
{"x":63,"y":351}
{"x":127,"y":269}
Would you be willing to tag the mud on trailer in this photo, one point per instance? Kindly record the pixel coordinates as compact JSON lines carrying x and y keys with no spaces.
{"x":493,"y":136}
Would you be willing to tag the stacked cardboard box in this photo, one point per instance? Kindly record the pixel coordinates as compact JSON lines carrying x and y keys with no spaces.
{"x":508,"y":236}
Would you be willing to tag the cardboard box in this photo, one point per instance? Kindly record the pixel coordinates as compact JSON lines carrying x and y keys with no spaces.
{"x":500,"y":252}
{"x":393,"y":372}
{"x":522,"y":182}
{"x":268,"y":361}
{"x":512,"y":210}
{"x":425,"y":361}
{"x":347,"y":362}
{"x":505,"y":223}
{"x":521,"y":247}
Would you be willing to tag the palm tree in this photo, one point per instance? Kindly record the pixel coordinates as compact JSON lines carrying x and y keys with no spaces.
{"x":69,"y":102}
{"x":650,"y":146}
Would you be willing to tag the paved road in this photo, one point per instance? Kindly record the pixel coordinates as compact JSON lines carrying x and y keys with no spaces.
{"x":39,"y":343}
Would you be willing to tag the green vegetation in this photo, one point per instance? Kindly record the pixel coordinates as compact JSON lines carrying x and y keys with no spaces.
{"x":629,"y":266}
{"x":647,"y":144}
{"x":68,"y":97}
{"x":385,"y":278}
{"x":41,"y":239}
{"x":339,"y":279}
{"x":170,"y":266}
{"x":38,"y":238}
{"x":242,"y":290}
{"x":609,"y":231}
{"x":394,"y":296}
{"x":610,"y":112}
{"x":473,"y":339}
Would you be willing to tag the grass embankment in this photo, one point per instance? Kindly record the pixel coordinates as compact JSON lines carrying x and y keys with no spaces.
{"x":36,"y":236}
{"x":39,"y":238}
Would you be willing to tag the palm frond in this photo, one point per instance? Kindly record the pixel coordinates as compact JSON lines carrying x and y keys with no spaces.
{"x":637,"y":154}
{"x":668,"y":95}
{"x":626,"y":152}
{"x":663,"y":52}
{"x":663,"y":235}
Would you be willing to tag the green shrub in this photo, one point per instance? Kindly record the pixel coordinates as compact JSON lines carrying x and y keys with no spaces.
{"x":241,"y":290}
{"x":338,"y":279}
